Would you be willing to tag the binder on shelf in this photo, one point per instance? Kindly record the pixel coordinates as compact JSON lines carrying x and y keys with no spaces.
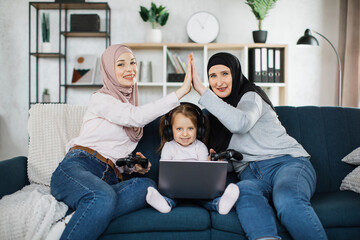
{"x":277,"y":69}
{"x":270,"y":68}
{"x":264,"y":65}
{"x":254,"y":65}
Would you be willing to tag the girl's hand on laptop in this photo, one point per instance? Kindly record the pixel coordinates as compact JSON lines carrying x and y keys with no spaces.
{"x":139,"y":168}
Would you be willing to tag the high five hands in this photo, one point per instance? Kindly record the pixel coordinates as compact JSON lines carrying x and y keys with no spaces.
{"x":191,"y":78}
{"x":196,"y":81}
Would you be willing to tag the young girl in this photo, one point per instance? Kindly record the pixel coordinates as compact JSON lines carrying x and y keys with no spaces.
{"x":182,"y":133}
{"x":87,"y":180}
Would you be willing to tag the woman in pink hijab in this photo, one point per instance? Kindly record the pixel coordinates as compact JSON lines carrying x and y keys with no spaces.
{"x":88,"y":180}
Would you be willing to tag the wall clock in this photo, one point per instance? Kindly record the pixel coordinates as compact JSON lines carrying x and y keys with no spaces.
{"x":202,"y":27}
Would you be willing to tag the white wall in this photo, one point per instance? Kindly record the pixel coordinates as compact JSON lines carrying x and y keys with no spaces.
{"x":312,"y":71}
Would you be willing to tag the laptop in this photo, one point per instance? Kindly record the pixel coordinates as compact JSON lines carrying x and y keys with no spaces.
{"x":192,"y":179}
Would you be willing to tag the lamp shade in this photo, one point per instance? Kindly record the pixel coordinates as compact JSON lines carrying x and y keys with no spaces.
{"x":307,"y":39}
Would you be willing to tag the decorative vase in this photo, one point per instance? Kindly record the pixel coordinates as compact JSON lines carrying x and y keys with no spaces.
{"x":46,"y":47}
{"x":145,"y":73}
{"x":154,"y":36}
{"x":259,"y":36}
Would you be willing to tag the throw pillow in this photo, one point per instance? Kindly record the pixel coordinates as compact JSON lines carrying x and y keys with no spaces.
{"x":51,"y":127}
{"x":352,"y":181}
{"x":353,"y":157}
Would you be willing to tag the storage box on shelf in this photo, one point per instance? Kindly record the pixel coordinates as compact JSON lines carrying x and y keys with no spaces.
{"x":159,"y":55}
{"x":59,"y":53}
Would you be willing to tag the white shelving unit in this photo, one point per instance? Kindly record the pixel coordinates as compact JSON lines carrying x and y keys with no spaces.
{"x":156,"y":53}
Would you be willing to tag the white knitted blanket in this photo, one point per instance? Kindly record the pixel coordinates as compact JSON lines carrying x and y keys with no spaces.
{"x":29,"y":213}
{"x":51,"y":127}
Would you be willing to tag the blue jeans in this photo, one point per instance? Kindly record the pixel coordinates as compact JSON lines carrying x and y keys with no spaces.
{"x":211,"y":205}
{"x":91,"y":188}
{"x":287,"y":184}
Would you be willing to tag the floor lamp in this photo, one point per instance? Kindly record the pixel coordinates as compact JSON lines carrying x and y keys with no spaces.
{"x":309,"y":39}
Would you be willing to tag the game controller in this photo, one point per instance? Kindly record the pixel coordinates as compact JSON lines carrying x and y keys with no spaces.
{"x":229,"y":154}
{"x":131,"y":160}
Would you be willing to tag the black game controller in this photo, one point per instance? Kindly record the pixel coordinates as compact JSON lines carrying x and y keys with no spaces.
{"x":131,"y":160}
{"x":229,"y":154}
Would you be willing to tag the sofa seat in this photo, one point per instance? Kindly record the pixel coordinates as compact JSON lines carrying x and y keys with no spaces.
{"x":186,"y":218}
{"x":337,"y":209}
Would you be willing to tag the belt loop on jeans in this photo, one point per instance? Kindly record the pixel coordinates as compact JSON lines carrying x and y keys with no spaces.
{"x":101,"y":158}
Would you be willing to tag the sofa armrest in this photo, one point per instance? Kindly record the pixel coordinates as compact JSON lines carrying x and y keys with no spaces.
{"x":13,"y":175}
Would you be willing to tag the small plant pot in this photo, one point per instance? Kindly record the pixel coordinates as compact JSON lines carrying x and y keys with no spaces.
{"x":154,"y":36}
{"x":259,"y":36}
{"x":46,"y":47}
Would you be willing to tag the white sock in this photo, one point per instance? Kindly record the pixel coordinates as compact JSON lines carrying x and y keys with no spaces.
{"x":157,"y":201}
{"x":228,"y":199}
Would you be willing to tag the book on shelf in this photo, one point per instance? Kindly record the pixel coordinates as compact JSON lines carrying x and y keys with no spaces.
{"x":182,"y":63}
{"x":169,"y":55}
{"x":176,"y":61}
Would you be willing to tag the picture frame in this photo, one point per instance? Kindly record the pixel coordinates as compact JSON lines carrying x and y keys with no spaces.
{"x":85,"y":69}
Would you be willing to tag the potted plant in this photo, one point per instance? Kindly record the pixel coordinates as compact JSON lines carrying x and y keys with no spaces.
{"x":260,"y":9}
{"x":45,"y":30}
{"x":157,"y":16}
{"x":46,"y":96}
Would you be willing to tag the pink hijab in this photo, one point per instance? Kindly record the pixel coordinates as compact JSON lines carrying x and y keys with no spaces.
{"x":114,"y":88}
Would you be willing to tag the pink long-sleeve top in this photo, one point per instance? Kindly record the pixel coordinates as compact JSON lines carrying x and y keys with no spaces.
{"x":102,"y":128}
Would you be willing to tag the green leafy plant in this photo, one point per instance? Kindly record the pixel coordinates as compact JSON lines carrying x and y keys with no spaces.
{"x":155,"y":15}
{"x":45,"y":27}
{"x":260,"y":8}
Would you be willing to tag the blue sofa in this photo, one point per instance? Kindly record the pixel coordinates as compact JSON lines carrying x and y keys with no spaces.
{"x":327,"y":133}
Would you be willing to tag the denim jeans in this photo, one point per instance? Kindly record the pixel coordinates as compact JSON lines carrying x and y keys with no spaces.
{"x":286,"y":184}
{"x":211,"y":205}
{"x":91,"y":188}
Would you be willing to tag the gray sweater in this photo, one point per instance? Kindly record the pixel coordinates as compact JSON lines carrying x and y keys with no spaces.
{"x":257,"y":131}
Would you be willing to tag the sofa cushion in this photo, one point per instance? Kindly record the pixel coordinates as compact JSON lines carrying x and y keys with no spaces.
{"x":185,"y":217}
{"x":337,"y":209}
{"x":50,"y":126}
{"x":353,"y":157}
{"x":352,"y":181}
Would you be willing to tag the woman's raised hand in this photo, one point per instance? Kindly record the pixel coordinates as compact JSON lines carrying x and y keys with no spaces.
{"x":196,"y":81}
{"x":186,"y":86}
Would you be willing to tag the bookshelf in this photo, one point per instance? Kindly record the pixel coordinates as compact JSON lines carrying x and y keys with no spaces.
{"x":161,"y":66}
{"x":60,"y":52}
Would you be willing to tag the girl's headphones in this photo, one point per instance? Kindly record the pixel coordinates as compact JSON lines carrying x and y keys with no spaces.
{"x":200,"y":128}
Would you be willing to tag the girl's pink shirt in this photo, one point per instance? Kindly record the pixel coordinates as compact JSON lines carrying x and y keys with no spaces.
{"x":102,"y":128}
{"x":174,"y":151}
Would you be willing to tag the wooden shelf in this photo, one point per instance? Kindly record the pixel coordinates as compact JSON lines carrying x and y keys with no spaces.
{"x":53,"y":5}
{"x":85,"y":34}
{"x":81,"y":85}
{"x":48,"y":55}
{"x":200,"y":45}
{"x":270,"y":84}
